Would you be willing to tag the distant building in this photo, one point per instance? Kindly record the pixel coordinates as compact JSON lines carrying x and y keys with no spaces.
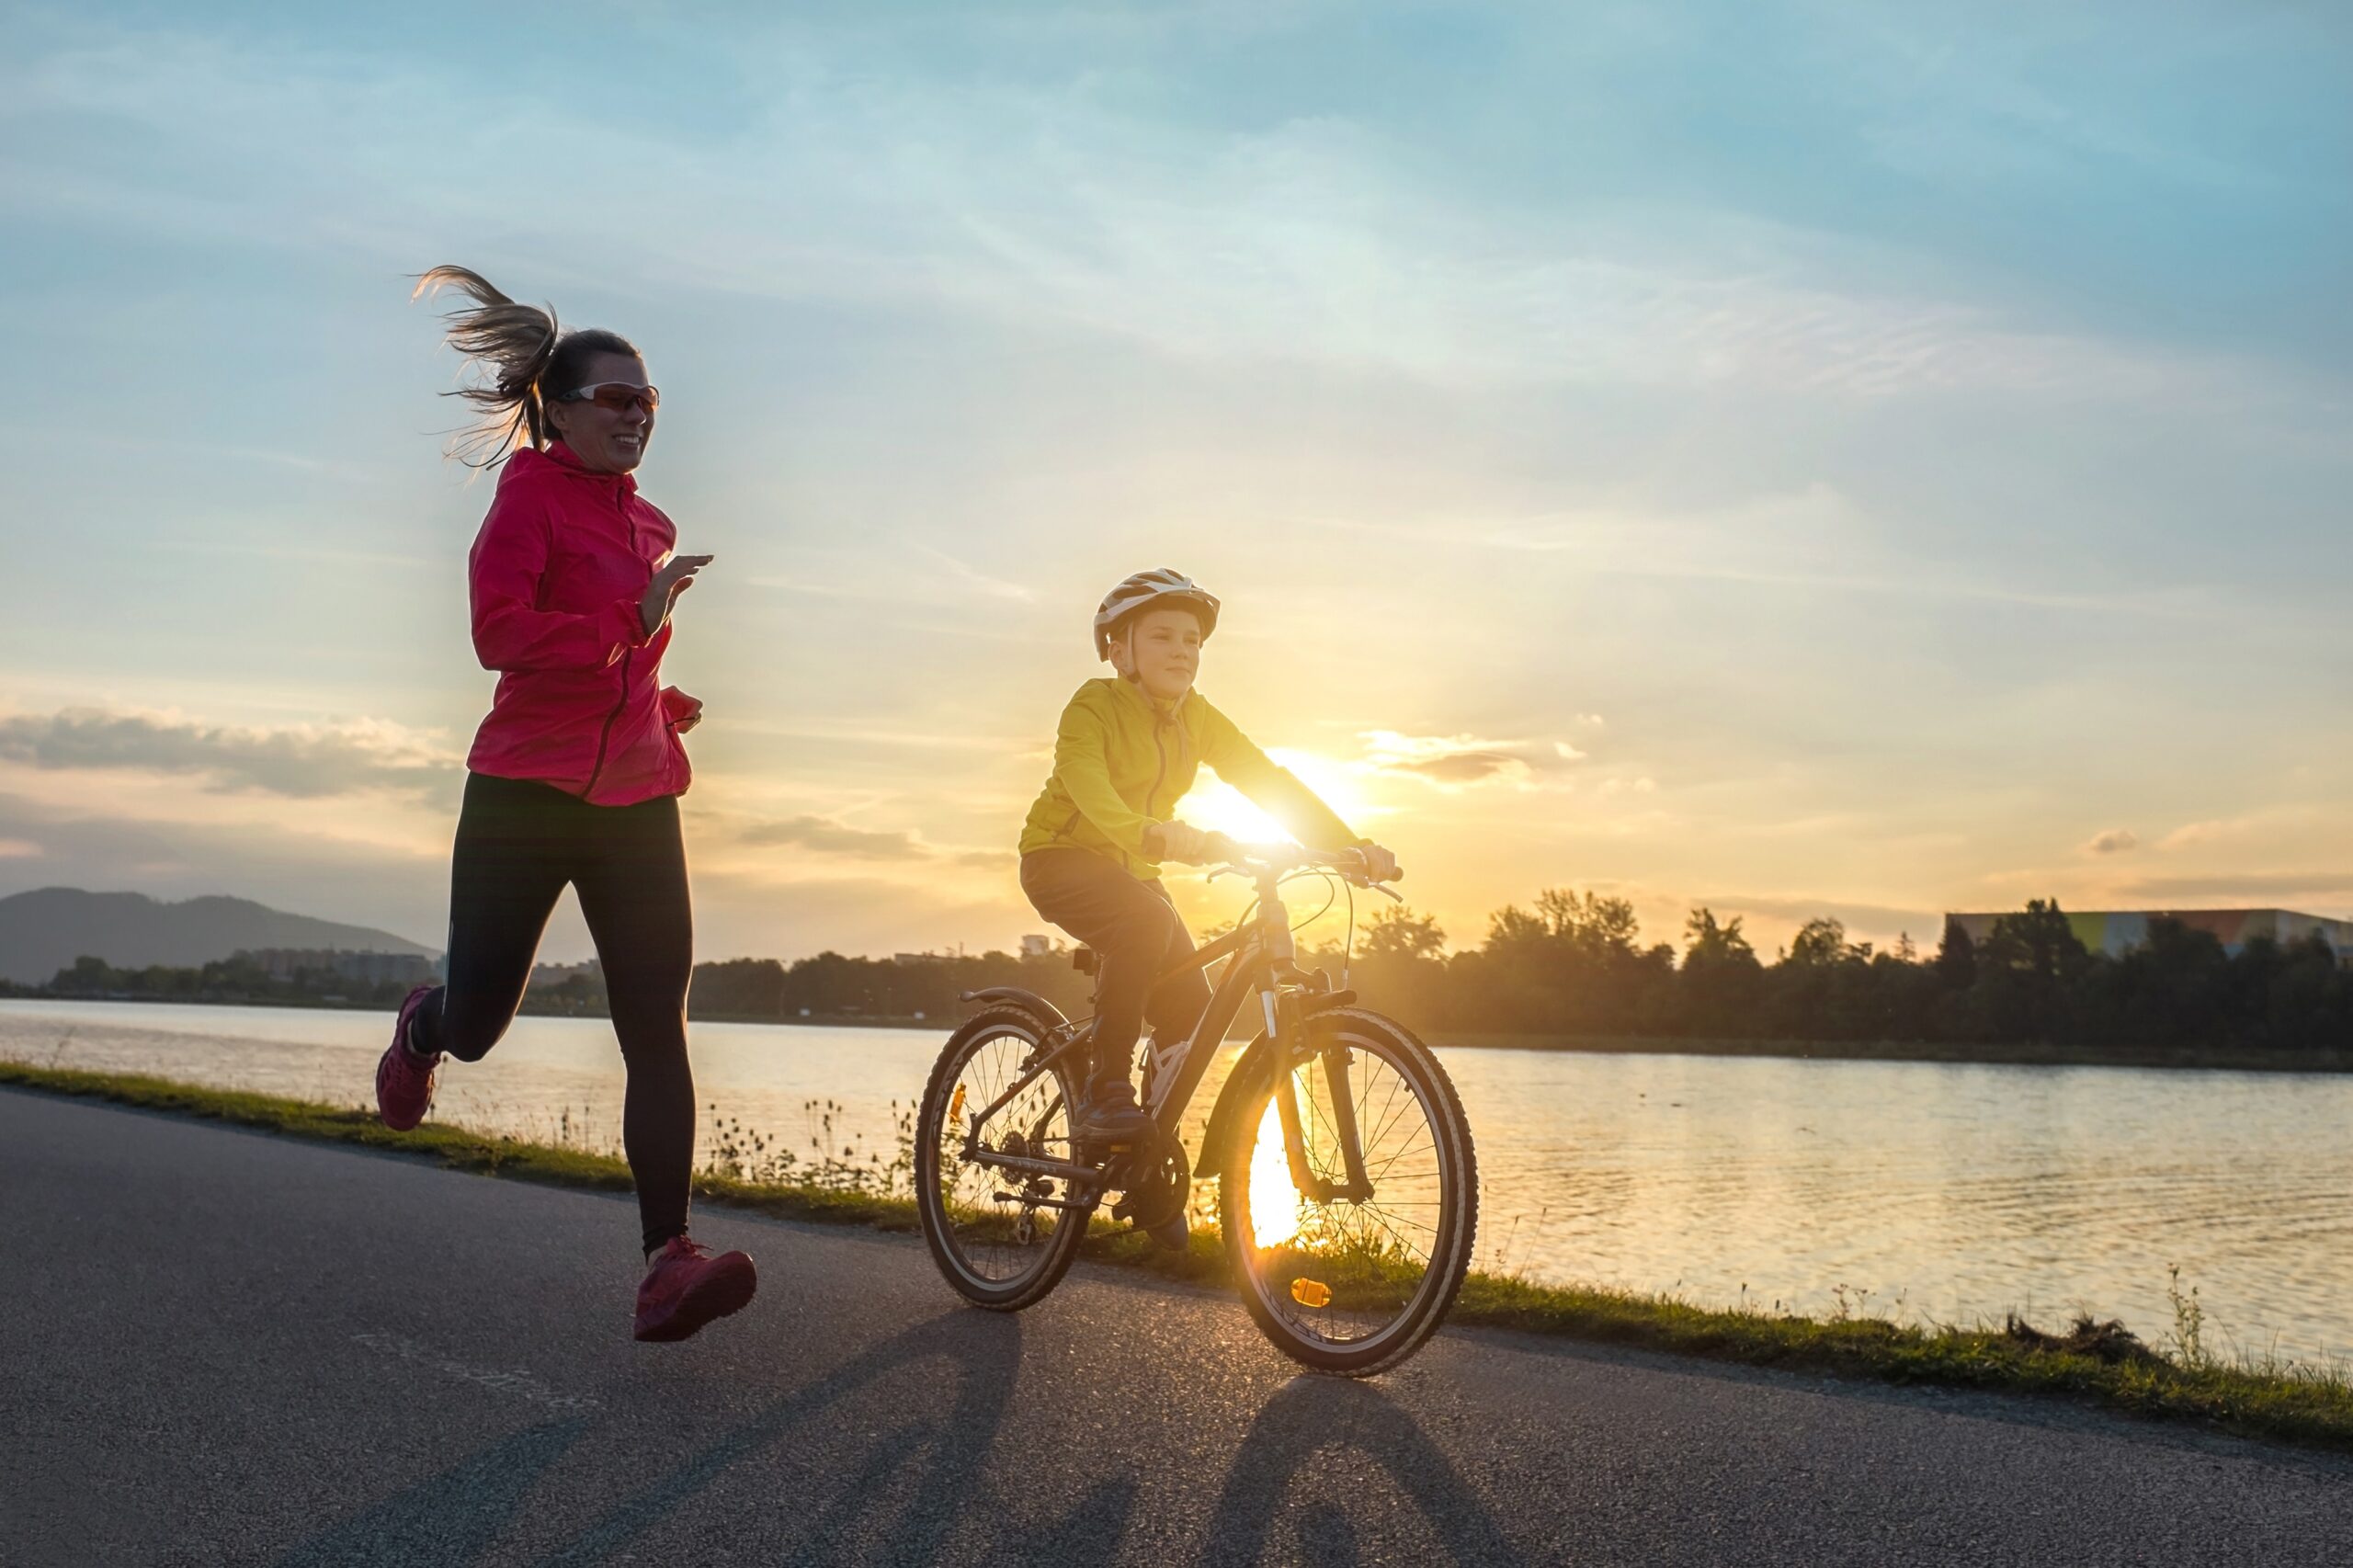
{"x":921,"y":958}
{"x":2120,"y":931}
{"x":1036,"y":946}
{"x":363,"y":968}
{"x":553,"y":976}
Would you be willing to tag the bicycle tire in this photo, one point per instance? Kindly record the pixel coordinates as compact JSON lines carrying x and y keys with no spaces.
{"x":1053,"y":1259}
{"x":1457,"y":1230}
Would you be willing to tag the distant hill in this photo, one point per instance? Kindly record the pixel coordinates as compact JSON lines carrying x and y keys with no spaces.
{"x":45,"y":930}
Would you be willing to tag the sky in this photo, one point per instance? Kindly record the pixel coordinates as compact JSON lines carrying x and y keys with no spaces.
{"x":1799,"y":459}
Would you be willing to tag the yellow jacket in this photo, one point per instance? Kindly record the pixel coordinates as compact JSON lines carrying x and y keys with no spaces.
{"x":1122,"y":762}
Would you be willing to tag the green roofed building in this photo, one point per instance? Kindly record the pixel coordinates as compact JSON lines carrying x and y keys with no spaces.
{"x":2118,"y":931}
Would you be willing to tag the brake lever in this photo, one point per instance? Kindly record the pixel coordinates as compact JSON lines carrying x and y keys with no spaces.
{"x":1358,"y":879}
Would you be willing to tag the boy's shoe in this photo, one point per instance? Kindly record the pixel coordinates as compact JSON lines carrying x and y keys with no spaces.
{"x":404,"y":1079}
{"x":687,"y":1287}
{"x":1107,"y":1114}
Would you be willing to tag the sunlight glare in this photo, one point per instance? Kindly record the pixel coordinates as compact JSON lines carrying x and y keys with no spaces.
{"x":1219,"y":807}
{"x":1277,"y":1211}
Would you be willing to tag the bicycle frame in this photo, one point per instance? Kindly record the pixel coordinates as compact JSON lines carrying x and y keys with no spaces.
{"x":1265,"y":961}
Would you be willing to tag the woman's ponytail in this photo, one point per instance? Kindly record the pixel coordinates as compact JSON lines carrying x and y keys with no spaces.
{"x":516,"y":344}
{"x":532,"y":362}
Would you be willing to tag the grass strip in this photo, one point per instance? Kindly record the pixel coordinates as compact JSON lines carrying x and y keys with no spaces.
{"x":2098,"y":1365}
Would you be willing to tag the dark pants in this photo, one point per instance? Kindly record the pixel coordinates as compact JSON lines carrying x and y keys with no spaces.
{"x":1131,"y":923}
{"x":518,"y":844}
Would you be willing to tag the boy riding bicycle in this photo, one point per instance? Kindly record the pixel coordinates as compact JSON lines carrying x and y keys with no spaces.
{"x":1125,"y":753}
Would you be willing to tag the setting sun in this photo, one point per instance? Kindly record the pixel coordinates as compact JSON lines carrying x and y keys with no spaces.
{"x":1220,"y":808}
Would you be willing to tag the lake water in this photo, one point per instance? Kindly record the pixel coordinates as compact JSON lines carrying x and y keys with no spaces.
{"x":1949,"y":1192}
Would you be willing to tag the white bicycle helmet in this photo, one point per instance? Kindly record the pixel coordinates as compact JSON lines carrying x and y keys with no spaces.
{"x":1164,"y":587}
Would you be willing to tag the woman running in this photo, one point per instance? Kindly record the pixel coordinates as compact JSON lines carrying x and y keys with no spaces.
{"x":575,"y":773}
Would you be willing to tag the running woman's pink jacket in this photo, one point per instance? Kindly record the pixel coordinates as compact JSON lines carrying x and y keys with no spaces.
{"x":557,"y":573}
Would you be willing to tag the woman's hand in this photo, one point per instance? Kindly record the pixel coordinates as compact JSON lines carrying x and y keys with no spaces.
{"x":677,"y":574}
{"x":688,"y":708}
{"x":1379,"y":865}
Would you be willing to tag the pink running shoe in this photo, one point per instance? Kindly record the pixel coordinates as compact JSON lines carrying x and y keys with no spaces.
{"x":403,"y":1079}
{"x":687,"y":1287}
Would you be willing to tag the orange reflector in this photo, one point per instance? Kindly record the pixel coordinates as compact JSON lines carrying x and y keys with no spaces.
{"x":1310,"y":1292}
{"x":956,"y":1106}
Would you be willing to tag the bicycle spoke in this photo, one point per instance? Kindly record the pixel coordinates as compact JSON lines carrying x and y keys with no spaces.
{"x":997,"y":1239}
{"x":1349,"y":1271}
{"x":1376,"y":1176}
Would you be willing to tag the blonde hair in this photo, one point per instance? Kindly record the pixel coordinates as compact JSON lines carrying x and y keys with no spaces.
{"x":532,"y":362}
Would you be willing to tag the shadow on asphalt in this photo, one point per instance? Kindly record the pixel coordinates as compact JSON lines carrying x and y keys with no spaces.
{"x":1312,"y":1415}
{"x":452,"y":1518}
{"x":926,"y":1472}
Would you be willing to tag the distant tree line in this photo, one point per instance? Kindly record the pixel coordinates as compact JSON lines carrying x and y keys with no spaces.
{"x":831,"y":986}
{"x":240,"y":978}
{"x":1576,"y":965}
{"x":1573,"y":966}
{"x":828,"y":987}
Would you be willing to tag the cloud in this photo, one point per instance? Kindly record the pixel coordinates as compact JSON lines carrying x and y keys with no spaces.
{"x":1454,"y":762}
{"x":2114,"y":841}
{"x":1815,"y":538}
{"x":302,"y":761}
{"x":1314,"y":238}
{"x":978,"y":582}
{"x":2191,"y":833}
{"x":2256,"y":886}
{"x":823,"y":835}
{"x":828,"y":837}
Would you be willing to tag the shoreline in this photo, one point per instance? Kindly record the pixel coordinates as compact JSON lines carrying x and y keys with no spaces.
{"x":2098,"y":1365}
{"x":1940,"y":1052}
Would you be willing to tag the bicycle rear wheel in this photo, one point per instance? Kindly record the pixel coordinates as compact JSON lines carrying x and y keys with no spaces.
{"x":994,"y":1233}
{"x":1353,"y":1288}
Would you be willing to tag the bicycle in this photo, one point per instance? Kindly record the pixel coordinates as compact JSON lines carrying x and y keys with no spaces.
{"x":1347,"y":1185}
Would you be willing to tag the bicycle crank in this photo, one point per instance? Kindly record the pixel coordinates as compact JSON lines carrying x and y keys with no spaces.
{"x":1155,"y":1183}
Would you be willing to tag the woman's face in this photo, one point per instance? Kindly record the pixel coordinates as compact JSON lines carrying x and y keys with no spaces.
{"x":608,"y":433}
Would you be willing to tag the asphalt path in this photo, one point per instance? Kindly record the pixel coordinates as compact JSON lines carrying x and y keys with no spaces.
{"x":229,"y":1347}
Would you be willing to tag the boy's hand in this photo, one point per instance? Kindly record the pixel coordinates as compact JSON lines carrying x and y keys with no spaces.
{"x":1177,"y":841}
{"x":1379,"y":865}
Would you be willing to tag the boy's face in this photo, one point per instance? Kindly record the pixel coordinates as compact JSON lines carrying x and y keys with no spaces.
{"x":1161,"y":650}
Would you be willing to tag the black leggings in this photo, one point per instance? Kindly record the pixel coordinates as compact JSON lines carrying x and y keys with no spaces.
{"x":519,"y":844}
{"x":1128,"y":921}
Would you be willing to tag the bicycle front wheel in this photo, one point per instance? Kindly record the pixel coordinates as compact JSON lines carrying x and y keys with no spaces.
{"x":1353,"y":1283}
{"x":1003,"y":1239}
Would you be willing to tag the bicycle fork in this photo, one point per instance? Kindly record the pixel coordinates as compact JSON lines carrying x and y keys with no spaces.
{"x":1286,"y":1027}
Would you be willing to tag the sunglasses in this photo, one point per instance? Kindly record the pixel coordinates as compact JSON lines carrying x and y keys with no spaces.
{"x":616,"y":397}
